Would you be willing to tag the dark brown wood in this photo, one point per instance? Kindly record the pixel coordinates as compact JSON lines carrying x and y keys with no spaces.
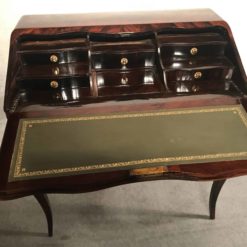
{"x":115,"y":63}
{"x":113,"y":23}
{"x":215,"y":190}
{"x":117,"y":18}
{"x":43,"y":200}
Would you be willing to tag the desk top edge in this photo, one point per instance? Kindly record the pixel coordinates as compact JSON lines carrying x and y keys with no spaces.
{"x":117,"y":18}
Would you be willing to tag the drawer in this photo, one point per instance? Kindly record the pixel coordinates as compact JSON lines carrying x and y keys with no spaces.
{"x":204,"y":74}
{"x":53,"y":70}
{"x":125,"y":60}
{"x":128,"y":78}
{"x":54,"y":84}
{"x":199,"y":70}
{"x":53,"y":56}
{"x":129,"y":82}
{"x":55,"y":97}
{"x":186,"y":87}
{"x":192,"y":45}
{"x":196,"y":50}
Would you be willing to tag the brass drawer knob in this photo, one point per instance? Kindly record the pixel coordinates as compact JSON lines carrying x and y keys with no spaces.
{"x":58,"y":96}
{"x":124,"y":80}
{"x":54,"y":58}
{"x":124,"y":61}
{"x":193,"y":51}
{"x":56,"y":71}
{"x":198,"y":75}
{"x":195,"y":88}
{"x":54,"y":84}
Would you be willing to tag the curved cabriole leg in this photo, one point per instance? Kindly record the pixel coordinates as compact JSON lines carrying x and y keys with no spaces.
{"x":45,"y":205}
{"x":215,"y":190}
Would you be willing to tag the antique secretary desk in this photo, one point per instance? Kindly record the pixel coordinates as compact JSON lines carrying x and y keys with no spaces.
{"x":99,"y":100}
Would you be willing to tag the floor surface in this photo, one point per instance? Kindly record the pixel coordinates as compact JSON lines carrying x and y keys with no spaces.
{"x":159,"y":213}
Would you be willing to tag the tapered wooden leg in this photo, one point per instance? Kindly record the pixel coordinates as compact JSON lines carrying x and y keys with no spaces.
{"x":215,"y":190}
{"x":45,"y":205}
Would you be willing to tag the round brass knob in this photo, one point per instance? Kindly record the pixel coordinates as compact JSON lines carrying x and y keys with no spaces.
{"x":124,"y":61}
{"x":54,"y":58}
{"x":54,"y":84}
{"x":193,"y":51}
{"x":198,"y":75}
{"x":124,"y":80}
{"x":58,"y":96}
{"x":195,"y":88}
{"x":55,"y":71}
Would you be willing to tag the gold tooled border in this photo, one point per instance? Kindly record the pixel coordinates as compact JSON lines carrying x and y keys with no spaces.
{"x":21,"y":172}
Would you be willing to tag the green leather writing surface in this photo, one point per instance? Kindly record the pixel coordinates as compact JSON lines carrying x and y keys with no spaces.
{"x":85,"y":144}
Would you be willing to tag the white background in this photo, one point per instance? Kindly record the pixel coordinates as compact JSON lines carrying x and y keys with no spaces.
{"x":234,"y":12}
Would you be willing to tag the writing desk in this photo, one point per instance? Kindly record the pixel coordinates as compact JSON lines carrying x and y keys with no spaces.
{"x":99,"y":100}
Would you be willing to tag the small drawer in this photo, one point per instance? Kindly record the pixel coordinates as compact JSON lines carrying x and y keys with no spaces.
{"x":128,"y":78}
{"x":195,"y":50}
{"x":55,"y":97}
{"x":129,"y":82}
{"x":71,"y":94}
{"x":202,"y":74}
{"x":192,"y":45}
{"x":186,"y":87}
{"x":54,"y":84}
{"x":53,"y":57}
{"x":199,"y":69}
{"x":53,"y":70}
{"x":126,"y":60}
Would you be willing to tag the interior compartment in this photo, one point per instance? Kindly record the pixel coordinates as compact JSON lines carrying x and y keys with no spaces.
{"x":112,"y":66}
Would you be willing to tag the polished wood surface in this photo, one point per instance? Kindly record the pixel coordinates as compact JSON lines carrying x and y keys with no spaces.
{"x":64,"y":34}
{"x":117,"y":18}
{"x":67,"y":65}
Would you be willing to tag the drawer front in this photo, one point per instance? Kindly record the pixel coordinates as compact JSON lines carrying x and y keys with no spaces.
{"x":53,"y":70}
{"x":116,"y":79}
{"x":189,"y":51}
{"x":123,"y":60}
{"x":54,"y":84}
{"x":53,"y":57}
{"x":55,"y":97}
{"x":198,"y":87}
{"x":223,"y":73}
{"x":121,"y":83}
{"x":128,"y":91}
